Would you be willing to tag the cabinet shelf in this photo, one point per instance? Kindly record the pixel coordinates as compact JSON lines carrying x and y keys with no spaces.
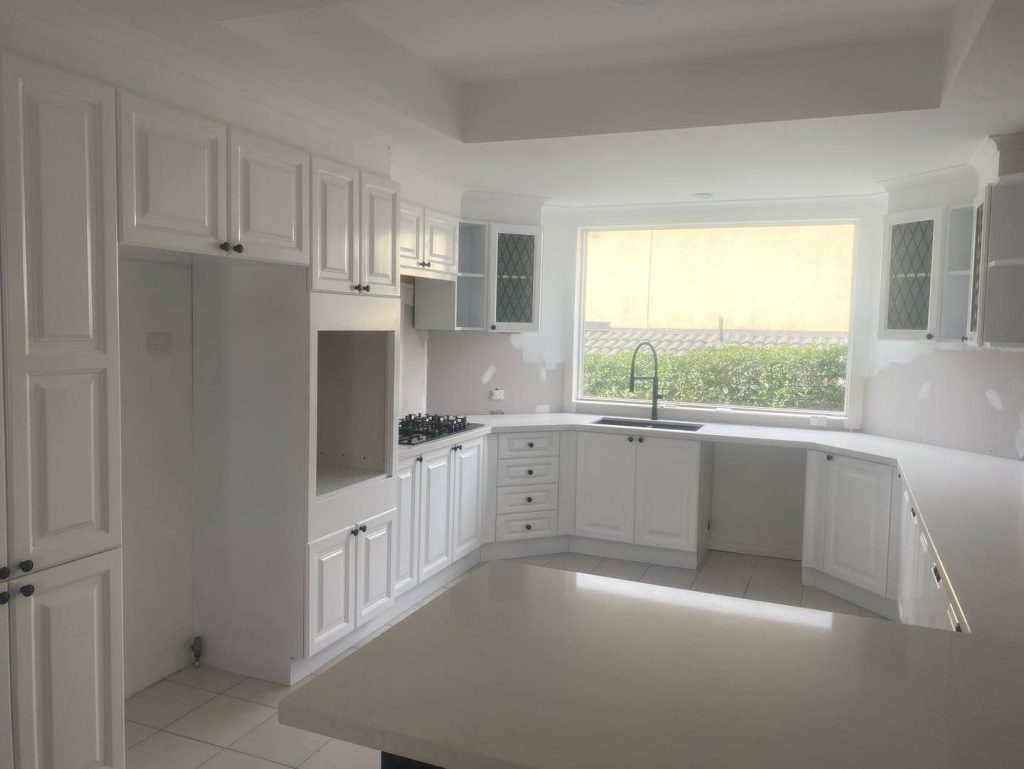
{"x":332,"y":478}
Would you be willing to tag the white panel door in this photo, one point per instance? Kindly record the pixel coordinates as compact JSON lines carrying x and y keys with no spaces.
{"x":269,"y":199}
{"x":605,"y":486}
{"x":380,"y":235}
{"x":66,"y":665}
{"x":467,"y":501}
{"x":174,"y":182}
{"x":857,"y":518}
{"x":375,"y":566}
{"x":410,"y":237}
{"x":330,"y":590}
{"x":6,"y":711}
{"x":335,"y":226}
{"x":514,"y":261}
{"x":1004,"y":262}
{"x":435,"y":513}
{"x":406,"y":571}
{"x":59,"y":275}
{"x":667,"y":486}
{"x":441,"y":242}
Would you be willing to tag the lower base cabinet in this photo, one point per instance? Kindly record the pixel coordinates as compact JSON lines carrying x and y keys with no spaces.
{"x":605,"y":486}
{"x":66,"y":666}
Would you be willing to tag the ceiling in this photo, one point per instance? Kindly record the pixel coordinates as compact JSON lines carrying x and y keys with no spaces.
{"x":592,"y":102}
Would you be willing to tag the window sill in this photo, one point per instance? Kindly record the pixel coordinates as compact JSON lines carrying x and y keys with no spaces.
{"x":726,"y":415}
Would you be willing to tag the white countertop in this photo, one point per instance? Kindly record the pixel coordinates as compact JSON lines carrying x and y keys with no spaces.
{"x":521,"y":667}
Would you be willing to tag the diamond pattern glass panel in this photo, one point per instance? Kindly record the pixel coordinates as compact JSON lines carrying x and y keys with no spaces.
{"x":910,"y":275}
{"x":515,"y":278}
{"x":976,"y":267}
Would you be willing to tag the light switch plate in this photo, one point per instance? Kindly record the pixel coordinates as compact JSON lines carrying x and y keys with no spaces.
{"x":497,"y":394}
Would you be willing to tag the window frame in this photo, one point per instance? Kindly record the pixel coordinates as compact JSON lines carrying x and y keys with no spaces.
{"x":713,"y":412}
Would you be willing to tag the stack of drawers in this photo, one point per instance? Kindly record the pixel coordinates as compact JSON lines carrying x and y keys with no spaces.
{"x":527,"y":504}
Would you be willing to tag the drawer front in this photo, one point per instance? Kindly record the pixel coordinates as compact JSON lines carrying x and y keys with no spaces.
{"x":527,"y":499}
{"x":513,"y":445}
{"x":525,"y":526}
{"x":516,"y":472}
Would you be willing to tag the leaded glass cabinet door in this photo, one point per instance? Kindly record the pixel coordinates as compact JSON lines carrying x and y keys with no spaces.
{"x":514,"y":300}
{"x":912,"y":277}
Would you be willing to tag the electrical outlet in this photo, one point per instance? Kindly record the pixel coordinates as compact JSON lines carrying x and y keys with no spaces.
{"x":497,"y":394}
{"x":817,"y":421}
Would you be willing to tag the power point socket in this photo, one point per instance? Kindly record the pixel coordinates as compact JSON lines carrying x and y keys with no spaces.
{"x":497,"y":394}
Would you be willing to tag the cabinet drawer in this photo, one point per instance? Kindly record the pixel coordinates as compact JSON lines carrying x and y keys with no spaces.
{"x":513,"y":445}
{"x":513,"y":472}
{"x":527,"y":499}
{"x":525,"y":526}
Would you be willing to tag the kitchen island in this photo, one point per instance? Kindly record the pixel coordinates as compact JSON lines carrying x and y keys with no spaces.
{"x":522,"y":667}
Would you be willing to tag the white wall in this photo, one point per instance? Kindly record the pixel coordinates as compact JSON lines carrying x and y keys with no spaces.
{"x":156,"y":404}
{"x":413,"y":389}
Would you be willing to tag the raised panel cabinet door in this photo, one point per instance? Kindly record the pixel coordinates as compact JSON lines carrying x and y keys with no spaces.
{"x":406,"y":566}
{"x":667,"y":486}
{"x":514,"y":287}
{"x":174,"y":183}
{"x":468,"y":500}
{"x":66,"y":665}
{"x":269,"y":200}
{"x":330,"y":590}
{"x":435,"y":513}
{"x":605,"y":486}
{"x":441,"y":242}
{"x":335,"y":226}
{"x":410,"y":237}
{"x":857,"y":518}
{"x":375,"y":566}
{"x":380,"y":235}
{"x":6,"y":710}
{"x":59,"y":275}
{"x":909,"y":593}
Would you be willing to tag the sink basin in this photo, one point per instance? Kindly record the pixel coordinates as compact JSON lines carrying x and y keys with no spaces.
{"x":660,"y":424}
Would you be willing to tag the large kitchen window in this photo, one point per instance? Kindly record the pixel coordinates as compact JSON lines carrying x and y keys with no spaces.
{"x":752,"y":317}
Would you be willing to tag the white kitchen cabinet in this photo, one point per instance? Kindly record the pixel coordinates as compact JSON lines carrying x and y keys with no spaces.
{"x":268,"y":199}
{"x":848,"y":520}
{"x":380,"y":228}
{"x":6,"y":706}
{"x":467,"y":498}
{"x":335,"y":227}
{"x":440,"y":242}
{"x":667,"y":493}
{"x":330,"y":591}
{"x":66,"y":665}
{"x":435,"y":514}
{"x":406,"y":562}
{"x":410,"y":238}
{"x":911,"y":280}
{"x":59,"y":274}
{"x":605,"y":486}
{"x":514,"y":261}
{"x":375,"y":566}
{"x":173,"y":174}
{"x":1002,"y":323}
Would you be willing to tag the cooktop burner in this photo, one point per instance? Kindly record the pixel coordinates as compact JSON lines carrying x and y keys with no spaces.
{"x":420,"y":428}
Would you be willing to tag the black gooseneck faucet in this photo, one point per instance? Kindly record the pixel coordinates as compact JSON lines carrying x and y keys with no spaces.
{"x":652,"y":379}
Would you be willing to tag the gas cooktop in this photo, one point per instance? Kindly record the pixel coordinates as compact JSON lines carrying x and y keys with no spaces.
{"x":414,"y":429}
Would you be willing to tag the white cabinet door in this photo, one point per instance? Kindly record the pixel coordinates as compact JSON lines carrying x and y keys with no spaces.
{"x":1003,"y":321}
{"x":667,"y":487}
{"x":335,"y":226}
{"x":375,"y":566}
{"x":605,"y":486}
{"x":410,"y":237}
{"x":6,"y":710}
{"x":467,"y":501}
{"x":440,"y":242}
{"x":911,"y":280}
{"x":66,"y":665}
{"x":330,"y":590}
{"x":913,"y":548}
{"x":269,"y":196}
{"x":406,"y":571}
{"x":380,"y":235}
{"x":857,"y":518}
{"x":435,"y":513}
{"x":59,"y":274}
{"x":174,"y":184}
{"x":514,"y":270}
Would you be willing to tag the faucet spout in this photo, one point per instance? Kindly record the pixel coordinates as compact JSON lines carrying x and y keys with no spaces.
{"x":633,"y":378}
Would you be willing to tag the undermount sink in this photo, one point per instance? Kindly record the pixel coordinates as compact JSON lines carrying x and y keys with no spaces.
{"x":659,"y":424}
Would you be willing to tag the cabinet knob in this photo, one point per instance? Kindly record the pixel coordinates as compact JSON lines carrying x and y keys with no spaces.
{"x":529,"y":526}
{"x":829,"y":457}
{"x":27,"y":590}
{"x":958,"y":628}
{"x":529,"y":472}
{"x":913,"y":513}
{"x":936,"y":573}
{"x":357,"y":287}
{"x":225,"y":246}
{"x":529,"y":500}
{"x":355,"y":531}
{"x":529,"y":445}
{"x":494,"y":328}
{"x":26,"y":566}
{"x":366,"y":288}
{"x":363,"y":528}
{"x":639,"y":440}
{"x":630,"y":439}
{"x":929,"y":336}
{"x":238,"y":248}
{"x":5,"y":572}
{"x":963,"y":339}
{"x":4,"y":598}
{"x":420,"y":460}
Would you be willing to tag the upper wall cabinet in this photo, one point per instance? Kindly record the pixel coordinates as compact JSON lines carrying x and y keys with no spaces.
{"x":380,"y":226}
{"x":174,"y":191}
{"x":269,"y":200}
{"x":514,"y":267}
{"x":410,"y":238}
{"x":335,"y":227}
{"x":910,"y":294}
{"x":1000,"y":322}
{"x":428,"y":243}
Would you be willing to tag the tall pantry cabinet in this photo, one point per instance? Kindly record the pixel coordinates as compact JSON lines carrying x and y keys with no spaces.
{"x":61,"y":703}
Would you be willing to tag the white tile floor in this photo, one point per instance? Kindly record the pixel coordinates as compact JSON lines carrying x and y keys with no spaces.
{"x":204,"y":717}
